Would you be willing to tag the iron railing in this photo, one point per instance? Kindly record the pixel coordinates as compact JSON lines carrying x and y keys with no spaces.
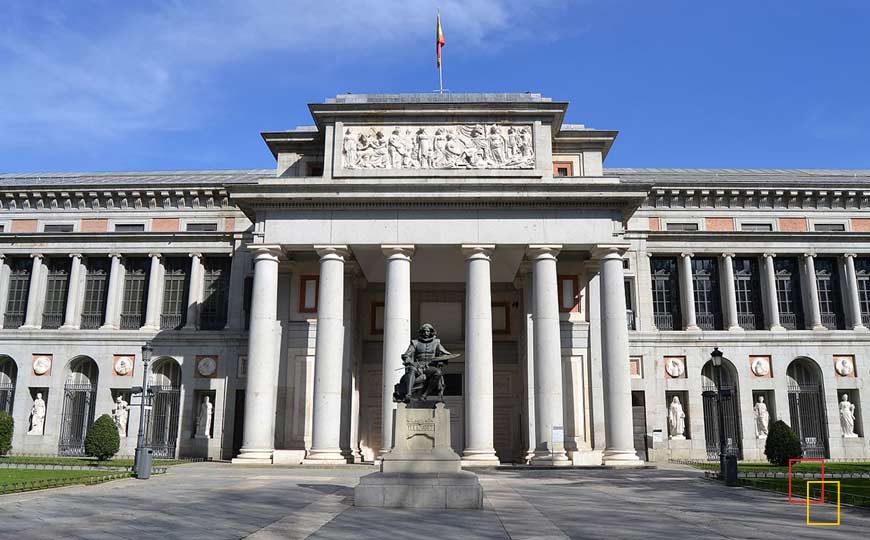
{"x":52,"y":320}
{"x":865,"y":318}
{"x":746,"y":321}
{"x":788,"y":320}
{"x":706,"y":321}
{"x":172,"y":321}
{"x":13,"y":320}
{"x":91,"y":321}
{"x":831,"y":321}
{"x":629,"y":319}
{"x":806,"y":408}
{"x":78,"y":413}
{"x":163,"y":421}
{"x":664,"y":321}
{"x":7,"y":396}
{"x":131,"y":321}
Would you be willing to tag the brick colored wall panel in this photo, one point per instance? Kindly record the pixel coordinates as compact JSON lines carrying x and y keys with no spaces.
{"x":793,"y":224}
{"x":94,"y":225}
{"x":861,"y":224}
{"x":719,"y":224}
{"x":23,"y":225}
{"x":655,"y":224}
{"x":165,"y":225}
{"x":230,"y":224}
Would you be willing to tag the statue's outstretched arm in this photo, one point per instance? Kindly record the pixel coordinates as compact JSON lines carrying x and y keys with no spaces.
{"x":441,"y":351}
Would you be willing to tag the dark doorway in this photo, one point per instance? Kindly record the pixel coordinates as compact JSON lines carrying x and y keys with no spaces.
{"x":638,"y":414}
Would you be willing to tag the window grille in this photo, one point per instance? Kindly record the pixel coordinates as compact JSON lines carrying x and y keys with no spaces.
{"x":665,"y":292}
{"x":788,"y":293}
{"x":129,"y":227}
{"x":57,"y":286}
{"x":19,"y":286}
{"x":629,"y":305}
{"x":216,"y":279}
{"x":58,"y":227}
{"x":829,"y":227}
{"x":201,"y":227}
{"x":830,"y":302}
{"x":707,"y":302}
{"x":747,"y":288}
{"x":756,"y":227}
{"x":175,"y":292}
{"x":862,"y":271}
{"x":96,"y":293}
{"x":681,"y":227}
{"x":135,"y":293}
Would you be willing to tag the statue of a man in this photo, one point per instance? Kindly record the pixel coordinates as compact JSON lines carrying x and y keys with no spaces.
{"x":847,"y":417}
{"x":37,"y":416}
{"x":120,"y":412}
{"x":423,"y":362}
{"x":203,"y":421}
{"x":762,"y":418}
{"x":677,"y":419}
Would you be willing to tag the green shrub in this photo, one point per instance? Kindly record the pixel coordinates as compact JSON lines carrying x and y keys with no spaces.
{"x":6,"y":426}
{"x":782,"y":444}
{"x":102,"y":440}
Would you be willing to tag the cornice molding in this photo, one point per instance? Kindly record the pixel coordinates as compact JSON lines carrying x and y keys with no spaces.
{"x":757,"y":198}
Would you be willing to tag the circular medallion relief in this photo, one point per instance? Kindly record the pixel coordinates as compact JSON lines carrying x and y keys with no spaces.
{"x":206,"y":366}
{"x":761,"y":367}
{"x":123,"y":365}
{"x":844,"y":367}
{"x":675,"y":368}
{"x":41,"y":365}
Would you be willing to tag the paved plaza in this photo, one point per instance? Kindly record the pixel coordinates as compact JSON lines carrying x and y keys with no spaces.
{"x":217,"y":501}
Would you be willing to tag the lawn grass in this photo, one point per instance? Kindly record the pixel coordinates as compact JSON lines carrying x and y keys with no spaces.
{"x":852,"y":490}
{"x":18,"y":480}
{"x":809,"y":467}
{"x":82,"y":461}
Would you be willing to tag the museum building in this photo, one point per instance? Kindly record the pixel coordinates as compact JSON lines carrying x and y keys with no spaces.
{"x":584,"y":301}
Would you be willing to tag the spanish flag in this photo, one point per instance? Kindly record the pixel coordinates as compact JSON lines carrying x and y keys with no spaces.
{"x":439,"y":39}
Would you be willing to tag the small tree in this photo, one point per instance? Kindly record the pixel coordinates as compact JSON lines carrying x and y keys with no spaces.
{"x":782,"y":444}
{"x":6,"y":426}
{"x":102,"y":440}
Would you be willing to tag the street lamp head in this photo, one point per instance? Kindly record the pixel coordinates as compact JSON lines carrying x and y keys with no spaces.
{"x":716,"y":357}
{"x":147,"y":349}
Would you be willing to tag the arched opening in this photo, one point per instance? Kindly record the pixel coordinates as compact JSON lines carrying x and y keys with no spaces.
{"x":806,"y":406}
{"x":730,"y":410}
{"x":163,"y":419}
{"x":8,"y":376}
{"x":79,"y":404}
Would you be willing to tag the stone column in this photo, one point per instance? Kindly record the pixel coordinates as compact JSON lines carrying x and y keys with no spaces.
{"x":34,"y":294}
{"x":813,"y":290}
{"x":258,"y":441}
{"x":397,"y":331}
{"x":116,"y":288}
{"x":731,"y":321}
{"x":774,"y":323}
{"x":194,"y":293}
{"x":479,"y":448}
{"x":548,"y":356}
{"x":687,"y":287}
{"x":854,"y":298}
{"x":154,"y":302}
{"x":619,"y":431}
{"x":72,"y":315}
{"x":328,"y":359}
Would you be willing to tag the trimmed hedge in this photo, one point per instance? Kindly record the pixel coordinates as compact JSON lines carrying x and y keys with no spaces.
{"x":7,"y":424}
{"x":102,"y":440}
{"x":782,"y":444}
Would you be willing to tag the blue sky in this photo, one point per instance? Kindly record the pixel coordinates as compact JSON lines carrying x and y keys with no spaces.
{"x":189,"y":84}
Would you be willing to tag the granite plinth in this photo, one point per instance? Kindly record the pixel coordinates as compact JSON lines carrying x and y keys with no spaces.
{"x":419,"y":490}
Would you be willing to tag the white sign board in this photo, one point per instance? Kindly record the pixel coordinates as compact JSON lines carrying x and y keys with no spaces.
{"x":558,"y":435}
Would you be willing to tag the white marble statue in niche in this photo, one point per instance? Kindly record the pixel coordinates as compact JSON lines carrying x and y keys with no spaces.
{"x":37,"y":416}
{"x":847,"y":417}
{"x":203,"y":419}
{"x":120,"y":413}
{"x":677,"y":420}
{"x":762,"y":418}
{"x":473,"y":146}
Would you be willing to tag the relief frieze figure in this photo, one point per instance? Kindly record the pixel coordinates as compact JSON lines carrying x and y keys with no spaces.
{"x":473,"y":146}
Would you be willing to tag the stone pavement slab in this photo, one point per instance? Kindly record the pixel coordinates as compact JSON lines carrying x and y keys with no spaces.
{"x":218,"y":501}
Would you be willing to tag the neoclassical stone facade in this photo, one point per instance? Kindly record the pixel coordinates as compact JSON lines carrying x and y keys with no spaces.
{"x":583,"y":300}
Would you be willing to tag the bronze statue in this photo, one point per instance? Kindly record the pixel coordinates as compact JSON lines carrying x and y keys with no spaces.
{"x":423,"y":362}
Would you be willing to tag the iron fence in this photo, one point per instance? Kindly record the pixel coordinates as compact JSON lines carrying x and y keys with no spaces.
{"x":91,"y":321}
{"x":788,"y":321}
{"x":131,"y":321}
{"x":78,"y":413}
{"x":52,"y":320}
{"x":664,"y":321}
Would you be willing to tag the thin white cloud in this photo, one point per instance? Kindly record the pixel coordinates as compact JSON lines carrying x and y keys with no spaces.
{"x":89,"y":69}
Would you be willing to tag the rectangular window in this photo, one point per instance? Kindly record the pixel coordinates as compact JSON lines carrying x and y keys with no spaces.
{"x":308,"y":294}
{"x":568,"y":293}
{"x":57,"y":286}
{"x":135,"y":292}
{"x":665,"y":293}
{"x":629,"y":304}
{"x":747,"y":286}
{"x":2,"y":228}
{"x":58,"y":227}
{"x":830,"y":301}
{"x":215,"y":293}
{"x":246,"y":300}
{"x":829,"y":227}
{"x":681,"y":227}
{"x":96,"y":292}
{"x":201,"y":227}
{"x":756,"y":227}
{"x":862,"y":271}
{"x":129,"y":227}
{"x":705,"y":277}
{"x":788,"y":293}
{"x":563,"y":168}
{"x":175,"y":289}
{"x":19,"y":287}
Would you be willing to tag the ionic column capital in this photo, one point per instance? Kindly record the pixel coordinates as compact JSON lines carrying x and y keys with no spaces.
{"x":116,"y":256}
{"x":810,"y":255}
{"x":543,"y":251}
{"x":333,"y":252}
{"x":478,"y":251}
{"x":398,"y":251}
{"x":269,"y":252}
{"x":728,"y":255}
{"x":71,"y":256}
{"x":195,"y":255}
{"x":768,"y":255}
{"x":37,"y":256}
{"x":609,"y":251}
{"x":687,"y":254}
{"x":849,"y":255}
{"x":159,"y":255}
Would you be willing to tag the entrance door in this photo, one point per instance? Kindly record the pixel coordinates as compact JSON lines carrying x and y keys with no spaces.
{"x":79,"y":401}
{"x":238,"y":422}
{"x":807,"y":408}
{"x":163,"y":431}
{"x":730,"y":412}
{"x":638,"y":414}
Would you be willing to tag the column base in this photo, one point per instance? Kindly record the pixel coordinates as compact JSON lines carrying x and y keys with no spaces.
{"x":735,"y":328}
{"x":149,"y":328}
{"x":621,"y":458}
{"x":860,"y":328}
{"x":110,"y":327}
{"x":777,"y":328}
{"x":28,"y":327}
{"x":254,"y":457}
{"x":68,"y":327}
{"x":328,"y":456}
{"x":480,"y":458}
{"x":820,"y":328}
{"x":693,"y":328}
{"x":554,"y":459}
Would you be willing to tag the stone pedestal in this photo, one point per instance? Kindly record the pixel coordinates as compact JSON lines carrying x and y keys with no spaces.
{"x":422,"y":470}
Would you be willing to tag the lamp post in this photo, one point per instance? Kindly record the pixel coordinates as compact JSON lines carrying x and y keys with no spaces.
{"x":716,"y":359}
{"x":142,"y":461}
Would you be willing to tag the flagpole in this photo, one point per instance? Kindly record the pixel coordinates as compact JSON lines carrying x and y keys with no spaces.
{"x":440,"y":81}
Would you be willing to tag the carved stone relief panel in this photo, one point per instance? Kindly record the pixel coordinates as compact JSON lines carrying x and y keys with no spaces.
{"x":460,"y":146}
